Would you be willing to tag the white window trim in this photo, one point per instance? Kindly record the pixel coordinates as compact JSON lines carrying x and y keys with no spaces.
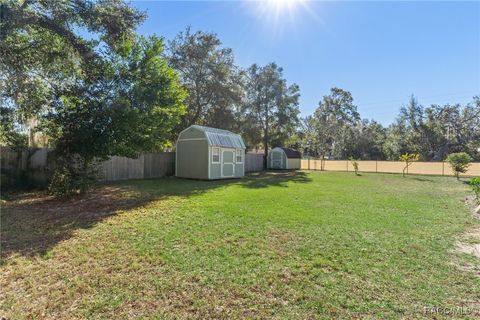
{"x":241,"y":155}
{"x":219,"y":151}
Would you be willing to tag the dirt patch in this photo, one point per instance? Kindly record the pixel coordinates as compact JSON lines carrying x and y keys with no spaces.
{"x":473,"y":249}
{"x":469,"y":242}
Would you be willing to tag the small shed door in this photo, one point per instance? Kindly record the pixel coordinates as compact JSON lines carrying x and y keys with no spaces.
{"x":228,"y":166}
{"x":277,"y":160}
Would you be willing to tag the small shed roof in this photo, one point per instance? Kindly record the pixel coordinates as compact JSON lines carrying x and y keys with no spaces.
{"x":292,"y":154}
{"x":221,"y":138}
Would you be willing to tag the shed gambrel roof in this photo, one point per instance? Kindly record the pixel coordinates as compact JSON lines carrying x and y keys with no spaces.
{"x":219,"y":137}
{"x":291,"y":154}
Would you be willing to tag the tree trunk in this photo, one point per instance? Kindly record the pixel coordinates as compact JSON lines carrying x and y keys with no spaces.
{"x":84,"y":175}
{"x":265,"y":148}
{"x":198,"y":108}
{"x":265,"y":140}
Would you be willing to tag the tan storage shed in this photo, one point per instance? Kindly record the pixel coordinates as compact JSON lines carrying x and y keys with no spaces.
{"x":284,"y":158}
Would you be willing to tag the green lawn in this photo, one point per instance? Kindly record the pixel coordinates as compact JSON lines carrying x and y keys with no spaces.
{"x":294,"y":246}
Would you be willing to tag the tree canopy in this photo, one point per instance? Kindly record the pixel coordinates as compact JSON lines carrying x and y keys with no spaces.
{"x":44,"y":50}
{"x":435,"y":131}
{"x":91,"y":84}
{"x":96,"y":88}
{"x":270,"y":110}
{"x":331,"y":124}
{"x":209,"y":74}
{"x":335,"y":130}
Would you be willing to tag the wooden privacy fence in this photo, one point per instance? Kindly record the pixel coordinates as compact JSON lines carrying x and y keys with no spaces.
{"x":26,"y":167}
{"x":157,"y":165}
{"x":253,"y":162}
{"x":146,"y":166}
{"x":35,"y":165}
{"x":427,"y":168}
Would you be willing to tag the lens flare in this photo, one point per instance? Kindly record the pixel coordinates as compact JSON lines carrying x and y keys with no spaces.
{"x":281,"y":5}
{"x":281,"y":15}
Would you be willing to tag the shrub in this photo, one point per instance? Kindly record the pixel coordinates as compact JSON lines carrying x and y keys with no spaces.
{"x":72,"y":177}
{"x":459,"y":162}
{"x":408,"y":159}
{"x":475,"y":184}
{"x":354,"y":163}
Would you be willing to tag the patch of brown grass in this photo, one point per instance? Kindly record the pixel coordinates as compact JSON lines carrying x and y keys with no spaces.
{"x":280,"y":241}
{"x":33,"y":223}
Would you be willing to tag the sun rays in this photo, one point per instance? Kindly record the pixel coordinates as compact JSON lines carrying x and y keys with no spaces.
{"x":281,"y":16}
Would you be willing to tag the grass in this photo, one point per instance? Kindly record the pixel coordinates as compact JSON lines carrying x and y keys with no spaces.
{"x":298,"y":245}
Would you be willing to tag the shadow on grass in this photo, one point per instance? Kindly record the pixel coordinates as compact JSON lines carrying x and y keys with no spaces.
{"x":422,"y":179}
{"x":274,"y":178}
{"x":33,"y":223}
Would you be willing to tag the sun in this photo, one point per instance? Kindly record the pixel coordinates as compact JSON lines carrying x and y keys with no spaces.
{"x":282,"y":5}
{"x":280,"y":15}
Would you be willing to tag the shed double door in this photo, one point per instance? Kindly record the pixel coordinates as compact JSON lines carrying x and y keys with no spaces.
{"x":277,"y":162}
{"x":228,"y":162}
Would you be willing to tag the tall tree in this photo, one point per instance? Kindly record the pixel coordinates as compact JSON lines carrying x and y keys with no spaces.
{"x":367,"y":141}
{"x":134,"y":108}
{"x":410,"y":133}
{"x":309,"y":139}
{"x":210,"y":76}
{"x":333,"y":122}
{"x":115,"y":95}
{"x":456,"y":128}
{"x":435,"y":131}
{"x":42,"y":51}
{"x":271,"y":106}
{"x":43,"y":55}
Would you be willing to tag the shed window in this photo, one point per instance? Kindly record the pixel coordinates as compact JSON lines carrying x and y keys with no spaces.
{"x":215,"y":155}
{"x":239,"y":158}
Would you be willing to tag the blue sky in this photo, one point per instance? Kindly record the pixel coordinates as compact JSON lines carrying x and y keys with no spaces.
{"x":382,"y":52}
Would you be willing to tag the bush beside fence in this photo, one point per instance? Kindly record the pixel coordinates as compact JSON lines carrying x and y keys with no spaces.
{"x":424,"y":168}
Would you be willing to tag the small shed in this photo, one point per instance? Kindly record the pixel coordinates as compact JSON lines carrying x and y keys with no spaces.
{"x":283,"y":158}
{"x":209,"y":153}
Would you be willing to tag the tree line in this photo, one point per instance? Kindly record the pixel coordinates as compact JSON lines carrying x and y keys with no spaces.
{"x":81,"y":75}
{"x":336,"y":130}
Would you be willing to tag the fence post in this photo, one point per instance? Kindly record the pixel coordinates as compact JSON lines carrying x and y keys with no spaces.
{"x":308,"y":163}
{"x":443,"y":168}
{"x":347,"y":165}
{"x":376,"y":165}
